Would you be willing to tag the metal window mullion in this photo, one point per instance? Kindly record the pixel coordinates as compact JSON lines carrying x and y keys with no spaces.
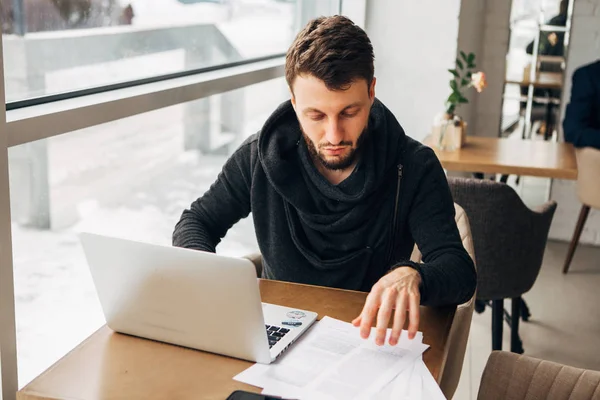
{"x":8,"y":337}
{"x":43,"y":121}
{"x":35,"y":101}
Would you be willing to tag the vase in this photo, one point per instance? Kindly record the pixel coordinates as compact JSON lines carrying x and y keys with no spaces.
{"x":449,"y":132}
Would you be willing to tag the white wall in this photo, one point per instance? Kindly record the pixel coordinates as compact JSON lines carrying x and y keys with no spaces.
{"x":414,"y":44}
{"x":584,"y":47}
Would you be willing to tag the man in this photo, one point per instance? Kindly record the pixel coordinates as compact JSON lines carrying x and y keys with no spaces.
{"x":582,"y":117}
{"x":338,"y":193}
{"x":552,"y":44}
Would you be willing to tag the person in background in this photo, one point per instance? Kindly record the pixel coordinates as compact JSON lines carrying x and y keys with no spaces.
{"x":581,"y":125}
{"x":552,"y":43}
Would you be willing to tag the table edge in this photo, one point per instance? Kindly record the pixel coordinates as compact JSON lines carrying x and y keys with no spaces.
{"x":567,"y":174}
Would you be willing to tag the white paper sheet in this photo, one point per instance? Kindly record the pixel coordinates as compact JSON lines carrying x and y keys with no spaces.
{"x":396,"y":389}
{"x":332,"y":361}
{"x":363,"y":372}
{"x":325,"y":343}
{"x":431,"y":390}
{"x":413,"y":383}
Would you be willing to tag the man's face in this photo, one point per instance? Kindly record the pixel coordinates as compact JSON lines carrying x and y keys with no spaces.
{"x":332,"y":121}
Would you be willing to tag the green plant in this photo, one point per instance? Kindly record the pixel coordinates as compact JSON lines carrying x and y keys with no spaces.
{"x":463,"y":78}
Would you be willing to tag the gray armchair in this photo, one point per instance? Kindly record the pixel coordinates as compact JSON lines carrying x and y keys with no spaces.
{"x":508,"y":376}
{"x":509,"y":241}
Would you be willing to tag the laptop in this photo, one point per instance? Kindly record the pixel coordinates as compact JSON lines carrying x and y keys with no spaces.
{"x":189,"y":298}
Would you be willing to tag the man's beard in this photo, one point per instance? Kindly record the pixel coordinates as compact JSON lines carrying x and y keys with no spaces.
{"x":341,"y":163}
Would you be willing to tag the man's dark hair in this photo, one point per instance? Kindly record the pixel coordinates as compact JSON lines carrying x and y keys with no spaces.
{"x":332,"y":49}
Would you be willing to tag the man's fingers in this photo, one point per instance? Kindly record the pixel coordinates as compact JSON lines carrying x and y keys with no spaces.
{"x":367,"y":316}
{"x":384,"y":315}
{"x":367,"y":321}
{"x":399,"y":318}
{"x":356,"y":321}
{"x":413,"y":314}
{"x":369,"y":311}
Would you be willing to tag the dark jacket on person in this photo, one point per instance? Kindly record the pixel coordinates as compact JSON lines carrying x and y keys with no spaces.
{"x":343,"y":236}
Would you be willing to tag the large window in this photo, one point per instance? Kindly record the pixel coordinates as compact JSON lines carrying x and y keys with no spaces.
{"x":57,"y":46}
{"x":130,"y":178}
{"x":98,"y":61}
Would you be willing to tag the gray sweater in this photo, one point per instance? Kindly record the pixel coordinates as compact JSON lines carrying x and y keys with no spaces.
{"x":345,"y":236}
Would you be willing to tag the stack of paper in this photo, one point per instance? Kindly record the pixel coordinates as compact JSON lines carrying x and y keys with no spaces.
{"x":415,"y":382}
{"x":332,"y":361}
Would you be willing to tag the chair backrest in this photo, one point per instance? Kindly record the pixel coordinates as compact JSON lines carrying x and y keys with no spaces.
{"x":461,"y":324}
{"x":588,"y":184}
{"x":509,"y":238}
{"x":509,"y":376}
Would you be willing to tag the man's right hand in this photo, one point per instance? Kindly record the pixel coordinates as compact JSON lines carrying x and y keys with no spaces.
{"x":399,"y":291}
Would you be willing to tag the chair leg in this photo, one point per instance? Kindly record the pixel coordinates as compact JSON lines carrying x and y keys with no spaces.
{"x":516,"y":345}
{"x":479,"y":306}
{"x":583,"y":214}
{"x":497,"y":323}
{"x":525,"y":313}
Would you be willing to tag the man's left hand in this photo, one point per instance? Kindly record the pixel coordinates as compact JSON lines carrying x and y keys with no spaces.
{"x":397,"y":290}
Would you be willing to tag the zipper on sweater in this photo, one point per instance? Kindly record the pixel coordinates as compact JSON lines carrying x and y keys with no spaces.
{"x":394,"y":220}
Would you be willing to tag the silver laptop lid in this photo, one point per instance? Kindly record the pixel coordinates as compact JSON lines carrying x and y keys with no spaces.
{"x":185,"y":297}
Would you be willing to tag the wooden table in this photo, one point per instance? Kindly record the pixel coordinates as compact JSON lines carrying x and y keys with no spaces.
{"x":117,"y":366}
{"x":512,"y":156}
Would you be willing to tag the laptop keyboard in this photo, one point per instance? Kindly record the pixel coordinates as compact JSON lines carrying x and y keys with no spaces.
{"x":275,"y":333}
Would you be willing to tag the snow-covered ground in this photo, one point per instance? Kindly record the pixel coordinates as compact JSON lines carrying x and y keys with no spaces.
{"x":130,"y":178}
{"x":254,"y":27}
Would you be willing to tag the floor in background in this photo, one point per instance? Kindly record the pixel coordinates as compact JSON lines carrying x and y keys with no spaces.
{"x":565,"y":318}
